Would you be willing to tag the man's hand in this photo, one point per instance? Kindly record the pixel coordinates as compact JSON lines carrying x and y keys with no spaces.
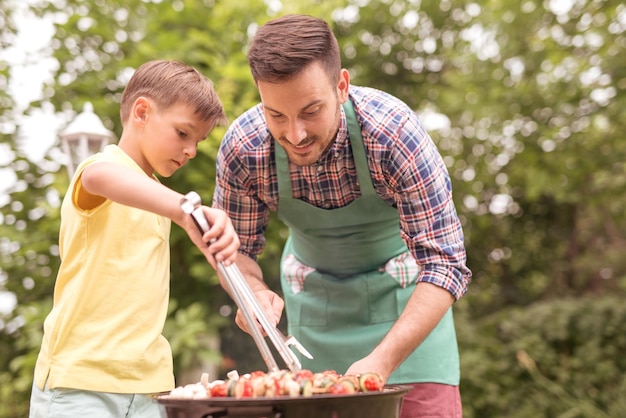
{"x":369,"y":364}
{"x":271,"y":304}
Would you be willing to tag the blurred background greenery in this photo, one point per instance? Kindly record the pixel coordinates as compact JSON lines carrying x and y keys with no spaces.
{"x":526,"y":101}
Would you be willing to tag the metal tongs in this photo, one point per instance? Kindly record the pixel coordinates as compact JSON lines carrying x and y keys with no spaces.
{"x":247,"y":303}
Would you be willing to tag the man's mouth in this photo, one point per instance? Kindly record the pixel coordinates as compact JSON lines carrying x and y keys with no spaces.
{"x":302,"y":149}
{"x":303,"y":146}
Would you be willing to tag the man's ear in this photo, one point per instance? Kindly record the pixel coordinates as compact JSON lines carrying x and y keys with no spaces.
{"x":141,"y":110}
{"x":343,"y":84}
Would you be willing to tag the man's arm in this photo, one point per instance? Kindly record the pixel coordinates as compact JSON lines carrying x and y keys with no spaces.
{"x":425,"y":308}
{"x":422,"y":191}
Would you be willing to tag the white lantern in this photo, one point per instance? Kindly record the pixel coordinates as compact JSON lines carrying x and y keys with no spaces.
{"x":84,"y":136}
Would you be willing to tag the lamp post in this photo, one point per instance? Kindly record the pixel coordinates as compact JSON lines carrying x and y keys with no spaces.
{"x":84,"y":136}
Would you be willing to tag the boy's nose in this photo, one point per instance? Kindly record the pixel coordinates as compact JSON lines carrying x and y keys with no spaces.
{"x":190,"y":152}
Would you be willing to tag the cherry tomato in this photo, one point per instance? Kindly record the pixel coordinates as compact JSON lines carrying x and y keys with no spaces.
{"x":372,"y":383}
{"x":338,"y":389}
{"x":219,"y":390}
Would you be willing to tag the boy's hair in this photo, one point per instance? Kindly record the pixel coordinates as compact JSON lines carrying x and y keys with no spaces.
{"x":284,"y":46}
{"x":169,"y":82}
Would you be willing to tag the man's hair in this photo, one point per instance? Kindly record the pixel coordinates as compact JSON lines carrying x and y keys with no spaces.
{"x":284,"y":46}
{"x":170,"y":82}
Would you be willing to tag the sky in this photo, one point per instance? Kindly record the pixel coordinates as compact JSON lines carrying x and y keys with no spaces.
{"x":30,"y":67}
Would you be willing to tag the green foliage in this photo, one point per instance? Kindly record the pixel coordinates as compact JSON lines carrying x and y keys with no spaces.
{"x":562,"y":358}
{"x":29,"y":260}
{"x":21,"y":345}
{"x":190,"y":331}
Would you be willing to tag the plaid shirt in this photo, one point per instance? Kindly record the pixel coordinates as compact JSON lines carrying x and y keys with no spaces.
{"x":405,"y":166}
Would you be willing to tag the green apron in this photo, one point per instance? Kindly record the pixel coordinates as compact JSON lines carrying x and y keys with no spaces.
{"x":348,"y":303}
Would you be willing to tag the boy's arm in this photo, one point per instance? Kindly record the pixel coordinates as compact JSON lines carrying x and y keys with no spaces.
{"x":132,"y":188}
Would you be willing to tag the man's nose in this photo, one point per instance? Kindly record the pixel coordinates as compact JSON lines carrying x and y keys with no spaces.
{"x":296,"y":132}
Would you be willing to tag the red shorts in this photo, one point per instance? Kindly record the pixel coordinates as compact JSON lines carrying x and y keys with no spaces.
{"x":432,"y":400}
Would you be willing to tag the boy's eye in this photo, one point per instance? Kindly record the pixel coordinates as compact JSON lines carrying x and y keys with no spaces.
{"x":182,"y":134}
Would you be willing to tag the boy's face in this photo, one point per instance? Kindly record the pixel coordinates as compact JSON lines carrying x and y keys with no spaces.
{"x":170,"y":137}
{"x":303,"y":112}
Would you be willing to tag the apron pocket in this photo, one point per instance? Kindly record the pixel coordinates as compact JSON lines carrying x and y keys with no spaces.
{"x":382,"y":294}
{"x":306,"y":303}
{"x":403,"y":268}
{"x":295,"y":273}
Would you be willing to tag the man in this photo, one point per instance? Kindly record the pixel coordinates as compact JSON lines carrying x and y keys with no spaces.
{"x":375,"y":257}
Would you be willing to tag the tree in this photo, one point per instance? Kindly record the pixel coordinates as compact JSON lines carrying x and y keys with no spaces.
{"x":534,"y":99}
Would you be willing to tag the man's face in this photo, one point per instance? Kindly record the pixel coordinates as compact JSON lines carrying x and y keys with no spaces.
{"x":303,"y":113}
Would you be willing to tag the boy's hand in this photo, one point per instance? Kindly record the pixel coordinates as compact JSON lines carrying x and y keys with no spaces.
{"x":220,"y":242}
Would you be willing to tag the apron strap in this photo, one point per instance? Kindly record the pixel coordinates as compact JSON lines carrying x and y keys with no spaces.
{"x":358,"y":150}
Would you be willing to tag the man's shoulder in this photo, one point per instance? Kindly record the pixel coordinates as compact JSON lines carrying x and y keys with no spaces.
{"x":248,"y":131}
{"x":376,"y":107}
{"x":372,"y":101}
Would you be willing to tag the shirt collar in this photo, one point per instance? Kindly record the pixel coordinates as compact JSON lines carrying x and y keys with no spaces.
{"x":339,"y":143}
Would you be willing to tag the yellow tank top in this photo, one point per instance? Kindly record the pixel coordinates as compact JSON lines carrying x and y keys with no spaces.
{"x":104,"y":332}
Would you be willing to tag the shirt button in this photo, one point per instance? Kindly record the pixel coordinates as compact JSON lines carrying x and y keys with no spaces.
{"x":319,"y":168}
{"x":336,"y":155}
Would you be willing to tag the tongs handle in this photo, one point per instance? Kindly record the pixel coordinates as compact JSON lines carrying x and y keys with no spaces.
{"x":244,"y":298}
{"x":238,"y":282}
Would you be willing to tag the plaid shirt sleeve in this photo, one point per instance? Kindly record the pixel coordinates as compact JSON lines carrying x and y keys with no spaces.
{"x":245,"y":175}
{"x":429,"y":221}
{"x":409,"y":173}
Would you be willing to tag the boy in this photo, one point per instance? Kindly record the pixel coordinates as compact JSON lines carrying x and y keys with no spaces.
{"x":103,"y":351}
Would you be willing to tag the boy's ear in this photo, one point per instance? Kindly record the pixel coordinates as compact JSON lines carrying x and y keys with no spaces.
{"x":141,"y":109}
